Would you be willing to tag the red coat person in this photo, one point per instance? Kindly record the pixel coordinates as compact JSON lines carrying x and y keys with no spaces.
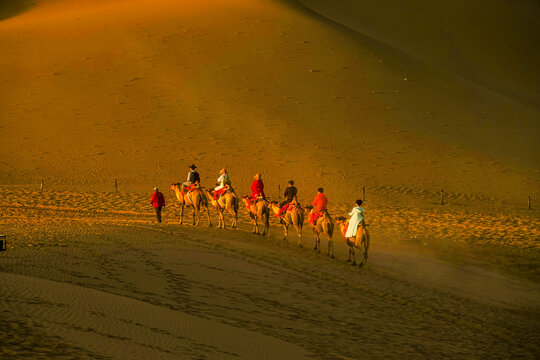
{"x":158,"y":199}
{"x":257,"y":187}
{"x":320,"y":202}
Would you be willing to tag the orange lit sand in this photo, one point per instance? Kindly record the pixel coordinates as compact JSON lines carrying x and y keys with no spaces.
{"x":94,"y":91}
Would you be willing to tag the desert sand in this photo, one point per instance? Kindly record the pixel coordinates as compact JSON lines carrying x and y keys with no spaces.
{"x":400,"y":100}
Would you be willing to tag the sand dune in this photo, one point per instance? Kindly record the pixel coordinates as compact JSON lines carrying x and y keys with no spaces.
{"x":125,"y":328}
{"x":123,"y":90}
{"x":491,"y":43}
{"x":355,"y":97}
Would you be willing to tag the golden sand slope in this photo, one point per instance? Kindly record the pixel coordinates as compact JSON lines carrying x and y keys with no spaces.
{"x":85,"y":281}
{"x":137,"y":90}
{"x":122,"y":89}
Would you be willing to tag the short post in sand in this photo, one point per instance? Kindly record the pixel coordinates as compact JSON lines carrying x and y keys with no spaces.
{"x":116,"y":185}
{"x":3,"y":242}
{"x":363,"y":193}
{"x":529,"y":202}
{"x":442,"y":197}
{"x":41,"y":186}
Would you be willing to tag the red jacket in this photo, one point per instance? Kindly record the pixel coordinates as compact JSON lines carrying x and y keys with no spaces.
{"x":157,"y":199}
{"x":257,"y":188}
{"x":320,"y":202}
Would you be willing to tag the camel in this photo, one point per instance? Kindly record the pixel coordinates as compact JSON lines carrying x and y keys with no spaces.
{"x":324,"y":225}
{"x":360,"y":241}
{"x":294,"y":216}
{"x":258,"y":211}
{"x":228,"y":202}
{"x":196,"y":199}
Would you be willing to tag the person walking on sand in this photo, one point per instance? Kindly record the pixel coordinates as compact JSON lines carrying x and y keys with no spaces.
{"x":357,"y":217}
{"x":320,"y":203}
{"x":158,"y":202}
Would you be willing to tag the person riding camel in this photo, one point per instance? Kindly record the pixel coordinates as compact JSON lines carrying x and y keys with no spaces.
{"x":357,"y":218}
{"x":319,"y":205}
{"x":224,"y":183}
{"x":192,"y":178}
{"x":289,"y":195}
{"x":257,"y":188}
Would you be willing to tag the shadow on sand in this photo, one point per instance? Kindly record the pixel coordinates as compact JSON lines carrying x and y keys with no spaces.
{"x":10,"y":8}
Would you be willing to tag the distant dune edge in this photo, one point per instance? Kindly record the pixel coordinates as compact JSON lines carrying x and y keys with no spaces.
{"x":10,"y":8}
{"x":491,"y":43}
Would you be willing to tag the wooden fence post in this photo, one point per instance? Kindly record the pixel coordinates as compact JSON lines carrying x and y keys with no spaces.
{"x":41,"y":186}
{"x":363,"y":193}
{"x":116,"y":185}
{"x":442,"y":197}
{"x":529,"y":198}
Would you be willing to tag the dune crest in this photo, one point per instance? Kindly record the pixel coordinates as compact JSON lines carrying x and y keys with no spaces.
{"x":491,"y":43}
{"x":10,"y":8}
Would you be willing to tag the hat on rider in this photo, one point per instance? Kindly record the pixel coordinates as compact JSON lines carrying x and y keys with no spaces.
{"x":192,"y":167}
{"x":291,"y":182}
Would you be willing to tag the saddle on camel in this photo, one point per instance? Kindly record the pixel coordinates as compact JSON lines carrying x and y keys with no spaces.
{"x":193,"y":180}
{"x":290,"y":197}
{"x":223,"y":185}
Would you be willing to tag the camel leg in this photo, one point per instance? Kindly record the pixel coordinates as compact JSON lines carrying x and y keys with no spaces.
{"x":286,"y":229}
{"x":235,"y":219}
{"x":330,"y":246}
{"x":219,"y":217}
{"x":353,"y":256}
{"x":266,"y":224}
{"x":221,"y":224}
{"x":208,"y":217}
{"x":181,"y":214}
{"x":317,"y":241}
{"x":349,"y":259}
{"x":364,"y":251}
{"x":256,"y":226}
{"x":316,"y":237}
{"x":299,"y":231}
{"x":366,"y":248}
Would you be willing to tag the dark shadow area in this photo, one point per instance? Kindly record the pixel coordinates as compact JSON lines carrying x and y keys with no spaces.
{"x":10,"y":8}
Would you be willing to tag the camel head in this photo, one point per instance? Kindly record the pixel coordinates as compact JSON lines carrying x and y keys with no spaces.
{"x":174,"y":187}
{"x":308,"y":209}
{"x":342,"y":221}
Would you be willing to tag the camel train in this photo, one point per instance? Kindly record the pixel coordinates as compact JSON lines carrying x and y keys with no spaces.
{"x":259,"y":212}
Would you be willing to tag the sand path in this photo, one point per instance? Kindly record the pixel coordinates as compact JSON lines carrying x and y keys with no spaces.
{"x":257,"y":290}
{"x":125,"y":328}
